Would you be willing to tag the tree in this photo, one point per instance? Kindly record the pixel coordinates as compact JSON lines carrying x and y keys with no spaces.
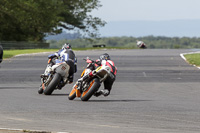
{"x":31,"y":20}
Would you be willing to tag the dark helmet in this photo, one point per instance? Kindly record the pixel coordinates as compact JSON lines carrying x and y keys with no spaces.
{"x":66,"y":46}
{"x":104,"y":57}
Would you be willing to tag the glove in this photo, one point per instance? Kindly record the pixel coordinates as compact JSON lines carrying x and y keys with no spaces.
{"x":51,"y":56}
{"x":98,"y":62}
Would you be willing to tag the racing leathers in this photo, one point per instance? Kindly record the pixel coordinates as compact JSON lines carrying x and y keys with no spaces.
{"x":68,"y":56}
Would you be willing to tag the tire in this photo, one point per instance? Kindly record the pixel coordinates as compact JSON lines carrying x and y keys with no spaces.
{"x":40,"y":91}
{"x":1,"y":53}
{"x":52,"y":85}
{"x":72,"y":94}
{"x":94,"y":86}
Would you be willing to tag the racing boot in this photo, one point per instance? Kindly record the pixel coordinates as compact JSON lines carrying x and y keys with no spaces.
{"x":70,"y":79}
{"x":104,"y":92}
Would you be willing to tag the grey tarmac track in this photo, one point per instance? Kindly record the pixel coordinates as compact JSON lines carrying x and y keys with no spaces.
{"x":156,"y":91}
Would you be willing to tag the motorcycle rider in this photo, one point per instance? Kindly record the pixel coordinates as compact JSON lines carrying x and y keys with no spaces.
{"x":65,"y":54}
{"x":104,"y":59}
{"x":141,"y":44}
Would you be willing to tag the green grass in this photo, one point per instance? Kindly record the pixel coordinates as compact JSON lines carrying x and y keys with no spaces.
{"x":99,"y":48}
{"x":11,"y":53}
{"x":193,"y":59}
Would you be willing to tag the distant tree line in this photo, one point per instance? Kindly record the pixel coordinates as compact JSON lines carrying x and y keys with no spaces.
{"x":130,"y":42}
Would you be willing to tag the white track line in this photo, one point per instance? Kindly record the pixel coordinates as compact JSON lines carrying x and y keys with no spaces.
{"x":183,"y":57}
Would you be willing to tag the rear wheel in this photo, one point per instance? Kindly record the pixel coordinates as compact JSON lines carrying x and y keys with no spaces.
{"x":93,"y":87}
{"x":72,"y":94}
{"x":52,"y":85}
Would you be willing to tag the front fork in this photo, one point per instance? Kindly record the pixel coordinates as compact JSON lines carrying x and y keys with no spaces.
{"x":45,"y":81}
{"x":80,"y":86}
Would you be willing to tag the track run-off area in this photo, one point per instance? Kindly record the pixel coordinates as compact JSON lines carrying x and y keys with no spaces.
{"x":155,"y":91}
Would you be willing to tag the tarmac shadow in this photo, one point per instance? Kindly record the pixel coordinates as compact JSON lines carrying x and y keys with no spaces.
{"x":125,"y":100}
{"x":59,"y":94}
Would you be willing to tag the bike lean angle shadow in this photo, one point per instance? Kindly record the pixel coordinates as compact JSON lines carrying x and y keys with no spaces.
{"x":125,"y":100}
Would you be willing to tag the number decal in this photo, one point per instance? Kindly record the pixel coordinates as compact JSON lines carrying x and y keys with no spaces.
{"x":63,"y":68}
{"x":98,"y":69}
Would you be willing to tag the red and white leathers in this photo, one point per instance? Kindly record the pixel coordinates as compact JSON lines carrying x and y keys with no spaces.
{"x":110,"y":79}
{"x":108,"y":63}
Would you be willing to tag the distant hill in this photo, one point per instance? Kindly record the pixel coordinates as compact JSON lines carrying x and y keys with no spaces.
{"x":174,"y":28}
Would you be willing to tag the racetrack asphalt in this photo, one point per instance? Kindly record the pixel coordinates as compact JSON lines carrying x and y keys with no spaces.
{"x":156,"y":91}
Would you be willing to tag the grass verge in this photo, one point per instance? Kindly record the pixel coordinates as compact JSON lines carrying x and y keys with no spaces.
{"x":193,"y":59}
{"x":11,"y":53}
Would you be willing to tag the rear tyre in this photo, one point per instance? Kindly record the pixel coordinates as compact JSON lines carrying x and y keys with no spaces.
{"x":52,"y":85}
{"x":72,"y":94}
{"x":93,"y":87}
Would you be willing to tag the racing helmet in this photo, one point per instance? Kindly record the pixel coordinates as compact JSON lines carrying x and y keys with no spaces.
{"x":104,"y":56}
{"x":66,"y":46}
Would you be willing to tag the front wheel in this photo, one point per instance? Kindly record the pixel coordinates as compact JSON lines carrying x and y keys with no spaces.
{"x":52,"y":85}
{"x":72,"y":94}
{"x":40,"y":91}
{"x":93,"y":87}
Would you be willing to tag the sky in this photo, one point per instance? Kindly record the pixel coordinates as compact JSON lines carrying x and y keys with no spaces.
{"x":149,"y":17}
{"x":153,"y":10}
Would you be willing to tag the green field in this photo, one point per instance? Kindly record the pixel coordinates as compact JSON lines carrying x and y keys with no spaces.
{"x":193,"y":59}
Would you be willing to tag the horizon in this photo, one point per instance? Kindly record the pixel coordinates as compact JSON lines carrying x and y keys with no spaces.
{"x":190,"y":31}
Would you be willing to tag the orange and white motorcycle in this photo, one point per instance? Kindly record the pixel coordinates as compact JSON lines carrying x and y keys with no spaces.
{"x":91,"y":81}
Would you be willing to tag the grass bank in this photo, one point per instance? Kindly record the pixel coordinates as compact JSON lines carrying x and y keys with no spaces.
{"x":11,"y":53}
{"x":193,"y":59}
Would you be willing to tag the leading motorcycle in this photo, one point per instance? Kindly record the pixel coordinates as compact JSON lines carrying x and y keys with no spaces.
{"x":91,"y":83}
{"x":54,"y":77}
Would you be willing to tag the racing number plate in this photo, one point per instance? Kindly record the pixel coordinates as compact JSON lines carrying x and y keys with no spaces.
{"x":98,"y":69}
{"x":63,"y":68}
